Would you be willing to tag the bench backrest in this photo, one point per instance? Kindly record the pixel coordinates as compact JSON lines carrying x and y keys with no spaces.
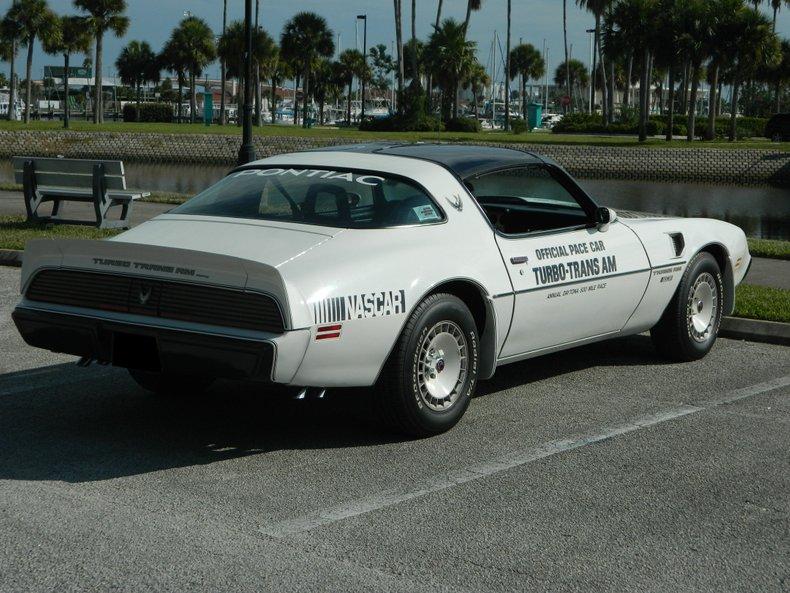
{"x":54,"y":172}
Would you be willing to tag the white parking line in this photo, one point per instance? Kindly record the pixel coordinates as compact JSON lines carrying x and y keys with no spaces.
{"x":441,"y":482}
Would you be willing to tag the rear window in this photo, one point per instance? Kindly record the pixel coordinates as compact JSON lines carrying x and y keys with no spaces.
{"x":346,"y":199}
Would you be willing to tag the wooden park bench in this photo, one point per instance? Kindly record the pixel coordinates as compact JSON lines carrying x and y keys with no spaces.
{"x":59,"y":180}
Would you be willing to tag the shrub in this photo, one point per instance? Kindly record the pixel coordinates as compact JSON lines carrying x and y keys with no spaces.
{"x":148,"y":112}
{"x":398,"y":124}
{"x":518,"y":126}
{"x":463,"y":124}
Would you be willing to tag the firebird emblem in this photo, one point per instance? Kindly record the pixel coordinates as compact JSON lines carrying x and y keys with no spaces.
{"x":144,"y":295}
{"x":455,"y":202}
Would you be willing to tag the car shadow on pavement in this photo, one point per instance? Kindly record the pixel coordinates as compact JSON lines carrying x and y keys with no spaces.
{"x":77,"y":425}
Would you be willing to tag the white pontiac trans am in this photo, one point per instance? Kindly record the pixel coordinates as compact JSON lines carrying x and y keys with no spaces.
{"x":417,"y":268}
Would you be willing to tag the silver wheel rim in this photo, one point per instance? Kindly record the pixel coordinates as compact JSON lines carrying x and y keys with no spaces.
{"x":442,"y":366}
{"x":702,"y":308}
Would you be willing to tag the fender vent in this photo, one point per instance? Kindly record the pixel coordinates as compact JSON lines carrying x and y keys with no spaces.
{"x":678,"y":243}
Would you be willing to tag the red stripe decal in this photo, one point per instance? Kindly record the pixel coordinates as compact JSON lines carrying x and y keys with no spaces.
{"x":327,"y":336}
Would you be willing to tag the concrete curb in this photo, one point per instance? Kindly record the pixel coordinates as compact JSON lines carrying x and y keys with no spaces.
{"x":755,"y":330}
{"x":11,"y":257}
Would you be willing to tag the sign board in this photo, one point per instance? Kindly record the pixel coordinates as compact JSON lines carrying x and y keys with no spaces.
{"x":566,"y":100}
{"x":74,"y":72}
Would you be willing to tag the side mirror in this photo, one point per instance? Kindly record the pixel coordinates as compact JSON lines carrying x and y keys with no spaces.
{"x":604,"y":217}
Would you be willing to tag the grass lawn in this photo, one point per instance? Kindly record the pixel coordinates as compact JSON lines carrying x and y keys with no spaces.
{"x":354,"y":134}
{"x":762,"y":302}
{"x":15,"y":232}
{"x":769,"y":248}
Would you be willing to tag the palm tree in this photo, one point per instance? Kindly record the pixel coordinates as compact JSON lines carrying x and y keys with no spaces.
{"x":223,"y":73}
{"x":382,"y":66}
{"x":305,"y":39}
{"x":72,"y":38}
{"x":755,"y":45}
{"x":721,"y":20}
{"x":279,"y":71}
{"x":579,"y":78}
{"x":507,"y":69}
{"x":10,"y":32}
{"x":776,"y":6}
{"x":103,"y":16}
{"x":137,"y":65}
{"x":231,"y":50}
{"x":173,"y":60}
{"x":476,"y":80}
{"x":527,"y":62}
{"x":598,"y":8}
{"x":35,"y":20}
{"x":565,"y":40}
{"x":430,"y":76}
{"x":399,"y":46}
{"x":450,"y":57}
{"x":352,"y":64}
{"x":471,"y":5}
{"x":779,"y":75}
{"x":327,"y":81}
{"x":194,"y":40}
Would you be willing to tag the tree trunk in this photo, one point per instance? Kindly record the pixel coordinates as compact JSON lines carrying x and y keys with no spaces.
{"x":192,"y":97}
{"x":98,"y":111}
{"x":565,"y":39}
{"x":430,"y":75}
{"x":180,"y":98}
{"x":643,"y":92}
{"x":414,"y":67}
{"x":321,"y":110}
{"x":305,"y":96}
{"x":258,"y":96}
{"x":399,"y":45}
{"x":684,"y":84}
{"x":692,"y":116}
{"x":137,"y":103}
{"x":629,"y":71}
{"x":223,"y":70}
{"x":778,"y":97}
{"x":12,"y":84}
{"x":240,"y":101}
{"x":348,"y":107}
{"x":736,"y":87}
{"x":611,"y":91}
{"x":671,"y":103}
{"x":468,"y":17}
{"x":523,"y":97}
{"x":711,"y":132}
{"x":66,"y":108}
{"x":507,"y":71}
{"x":28,"y":73}
{"x":274,"y":100}
{"x":604,"y":89}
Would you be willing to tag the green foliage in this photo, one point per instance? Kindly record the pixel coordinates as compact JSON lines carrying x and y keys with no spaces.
{"x":398,"y":124}
{"x":148,"y":112}
{"x":518,"y":126}
{"x":762,"y":302}
{"x":769,"y":248}
{"x":463,"y":124}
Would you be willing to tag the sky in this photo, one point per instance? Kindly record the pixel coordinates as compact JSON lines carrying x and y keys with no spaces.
{"x":532,"y":20}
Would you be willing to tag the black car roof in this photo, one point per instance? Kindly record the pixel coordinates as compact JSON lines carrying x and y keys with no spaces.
{"x":464,"y":160}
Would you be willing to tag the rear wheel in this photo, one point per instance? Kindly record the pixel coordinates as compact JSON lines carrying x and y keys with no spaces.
{"x":690,"y":324}
{"x":429,"y":379}
{"x":170,"y":383}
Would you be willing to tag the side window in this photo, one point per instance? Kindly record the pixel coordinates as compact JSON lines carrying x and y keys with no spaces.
{"x":526,"y":199}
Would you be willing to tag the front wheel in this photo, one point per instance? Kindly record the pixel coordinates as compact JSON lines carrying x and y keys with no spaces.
{"x":170,"y":384}
{"x":429,"y":379}
{"x":690,"y":324}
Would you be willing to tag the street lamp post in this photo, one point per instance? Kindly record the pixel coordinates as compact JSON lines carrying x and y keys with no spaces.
{"x":247,"y":150}
{"x":364,"y":17}
{"x":590,"y":33}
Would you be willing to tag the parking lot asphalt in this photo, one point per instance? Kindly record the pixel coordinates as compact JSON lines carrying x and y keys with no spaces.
{"x":602,"y":468}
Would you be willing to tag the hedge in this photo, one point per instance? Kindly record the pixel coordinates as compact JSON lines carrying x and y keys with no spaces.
{"x":148,"y":112}
{"x":463,"y":124}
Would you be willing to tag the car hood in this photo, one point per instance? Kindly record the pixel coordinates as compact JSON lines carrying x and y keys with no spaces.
{"x":267,"y":242}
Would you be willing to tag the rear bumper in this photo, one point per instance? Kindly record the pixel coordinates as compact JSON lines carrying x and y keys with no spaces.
{"x":179,"y":351}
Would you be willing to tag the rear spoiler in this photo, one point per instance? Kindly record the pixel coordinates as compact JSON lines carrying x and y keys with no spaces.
{"x":152,"y":261}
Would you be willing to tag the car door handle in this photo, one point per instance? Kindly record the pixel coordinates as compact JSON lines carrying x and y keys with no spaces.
{"x":519,"y":259}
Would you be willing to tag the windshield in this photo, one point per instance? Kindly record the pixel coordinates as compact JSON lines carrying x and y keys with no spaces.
{"x":316,"y":196}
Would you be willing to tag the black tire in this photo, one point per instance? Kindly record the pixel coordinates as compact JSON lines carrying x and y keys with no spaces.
{"x":171,"y":384}
{"x":675,"y":336}
{"x":405,"y":404}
